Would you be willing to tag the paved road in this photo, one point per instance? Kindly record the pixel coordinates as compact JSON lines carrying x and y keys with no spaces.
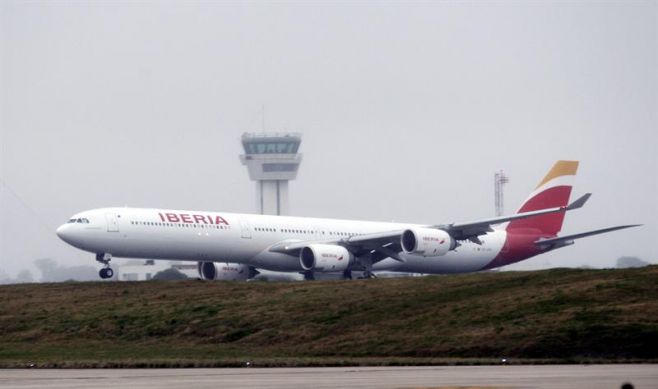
{"x":553,"y":377}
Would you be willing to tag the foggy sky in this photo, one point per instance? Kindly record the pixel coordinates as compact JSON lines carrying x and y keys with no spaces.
{"x":406,"y":110}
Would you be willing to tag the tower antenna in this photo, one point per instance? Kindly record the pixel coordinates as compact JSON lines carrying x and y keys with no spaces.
{"x":262,"y":125}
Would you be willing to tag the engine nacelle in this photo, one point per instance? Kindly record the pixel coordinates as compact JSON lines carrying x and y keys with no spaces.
{"x":223,"y":271}
{"x":325,"y":258}
{"x":428,"y":242}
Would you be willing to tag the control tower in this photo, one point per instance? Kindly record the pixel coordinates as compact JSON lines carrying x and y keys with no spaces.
{"x":272,"y":161}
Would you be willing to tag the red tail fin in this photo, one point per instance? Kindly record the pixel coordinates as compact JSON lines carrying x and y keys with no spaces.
{"x":553,"y":191}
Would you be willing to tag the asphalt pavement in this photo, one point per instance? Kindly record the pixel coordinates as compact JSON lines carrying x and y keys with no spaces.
{"x":544,"y":376}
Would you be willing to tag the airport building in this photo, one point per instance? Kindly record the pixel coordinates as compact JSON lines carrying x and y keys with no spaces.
{"x":146,"y":270}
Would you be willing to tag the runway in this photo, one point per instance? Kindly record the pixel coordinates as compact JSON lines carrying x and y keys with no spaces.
{"x":553,"y":377}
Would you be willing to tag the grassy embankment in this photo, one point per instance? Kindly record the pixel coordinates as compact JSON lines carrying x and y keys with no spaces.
{"x":547,"y":316}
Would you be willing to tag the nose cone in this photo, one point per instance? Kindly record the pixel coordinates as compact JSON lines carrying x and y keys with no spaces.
{"x":64,"y":233}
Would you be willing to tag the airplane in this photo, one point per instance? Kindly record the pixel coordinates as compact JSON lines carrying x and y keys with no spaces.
{"x":217,"y":240}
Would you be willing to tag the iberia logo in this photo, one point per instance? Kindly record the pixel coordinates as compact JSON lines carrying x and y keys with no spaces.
{"x":188,"y":218}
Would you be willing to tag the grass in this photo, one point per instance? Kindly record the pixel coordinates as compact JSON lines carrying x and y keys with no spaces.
{"x":553,"y":316}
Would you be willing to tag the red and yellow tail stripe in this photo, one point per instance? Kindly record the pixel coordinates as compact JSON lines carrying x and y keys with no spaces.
{"x":553,"y":191}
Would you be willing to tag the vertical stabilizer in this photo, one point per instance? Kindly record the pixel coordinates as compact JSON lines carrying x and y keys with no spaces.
{"x":553,"y":191}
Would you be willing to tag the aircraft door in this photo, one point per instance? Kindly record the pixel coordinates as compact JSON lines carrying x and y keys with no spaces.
{"x":246,"y":229}
{"x":112,"y":222}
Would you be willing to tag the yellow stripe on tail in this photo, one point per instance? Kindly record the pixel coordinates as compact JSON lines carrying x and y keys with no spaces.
{"x":561,"y":168}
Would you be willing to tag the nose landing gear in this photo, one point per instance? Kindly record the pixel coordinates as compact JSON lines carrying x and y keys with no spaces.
{"x":107,"y":271}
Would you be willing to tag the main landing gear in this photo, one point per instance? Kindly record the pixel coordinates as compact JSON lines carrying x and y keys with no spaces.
{"x":107,"y":271}
{"x":368,"y":274}
{"x":366,"y":263}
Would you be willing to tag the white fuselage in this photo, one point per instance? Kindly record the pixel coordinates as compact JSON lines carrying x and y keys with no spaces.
{"x":245,"y":238}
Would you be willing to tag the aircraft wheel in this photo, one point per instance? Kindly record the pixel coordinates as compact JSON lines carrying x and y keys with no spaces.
{"x":106,"y":273}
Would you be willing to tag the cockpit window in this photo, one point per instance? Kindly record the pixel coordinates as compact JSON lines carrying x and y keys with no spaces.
{"x":72,"y":220}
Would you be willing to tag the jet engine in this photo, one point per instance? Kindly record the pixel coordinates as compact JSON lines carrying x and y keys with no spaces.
{"x":325,"y":258}
{"x":223,"y":271}
{"x":428,"y":242}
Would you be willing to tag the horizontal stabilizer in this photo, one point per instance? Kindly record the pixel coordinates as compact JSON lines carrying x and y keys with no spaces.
{"x":580,"y":202}
{"x":568,"y":239}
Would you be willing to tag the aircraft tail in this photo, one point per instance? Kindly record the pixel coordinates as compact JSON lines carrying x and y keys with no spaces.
{"x":553,"y":191}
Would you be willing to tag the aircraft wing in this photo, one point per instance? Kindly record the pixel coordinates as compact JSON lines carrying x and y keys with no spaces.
{"x":567,"y":240}
{"x":381,"y":245}
{"x":387,"y":244}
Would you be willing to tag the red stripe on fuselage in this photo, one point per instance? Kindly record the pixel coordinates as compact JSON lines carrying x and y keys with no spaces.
{"x":551,"y":223}
{"x":519,"y":245}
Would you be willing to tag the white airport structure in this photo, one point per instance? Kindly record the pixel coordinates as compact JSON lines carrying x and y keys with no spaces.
{"x":500,"y":179}
{"x":146,"y":270}
{"x":272,"y":160}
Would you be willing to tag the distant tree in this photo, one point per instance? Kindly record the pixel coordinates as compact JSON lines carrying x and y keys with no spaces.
{"x":169,"y":274}
{"x":626,"y":262}
{"x":4,"y":278}
{"x":46,"y":266}
{"x":51,"y":271}
{"x":24,"y":276}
